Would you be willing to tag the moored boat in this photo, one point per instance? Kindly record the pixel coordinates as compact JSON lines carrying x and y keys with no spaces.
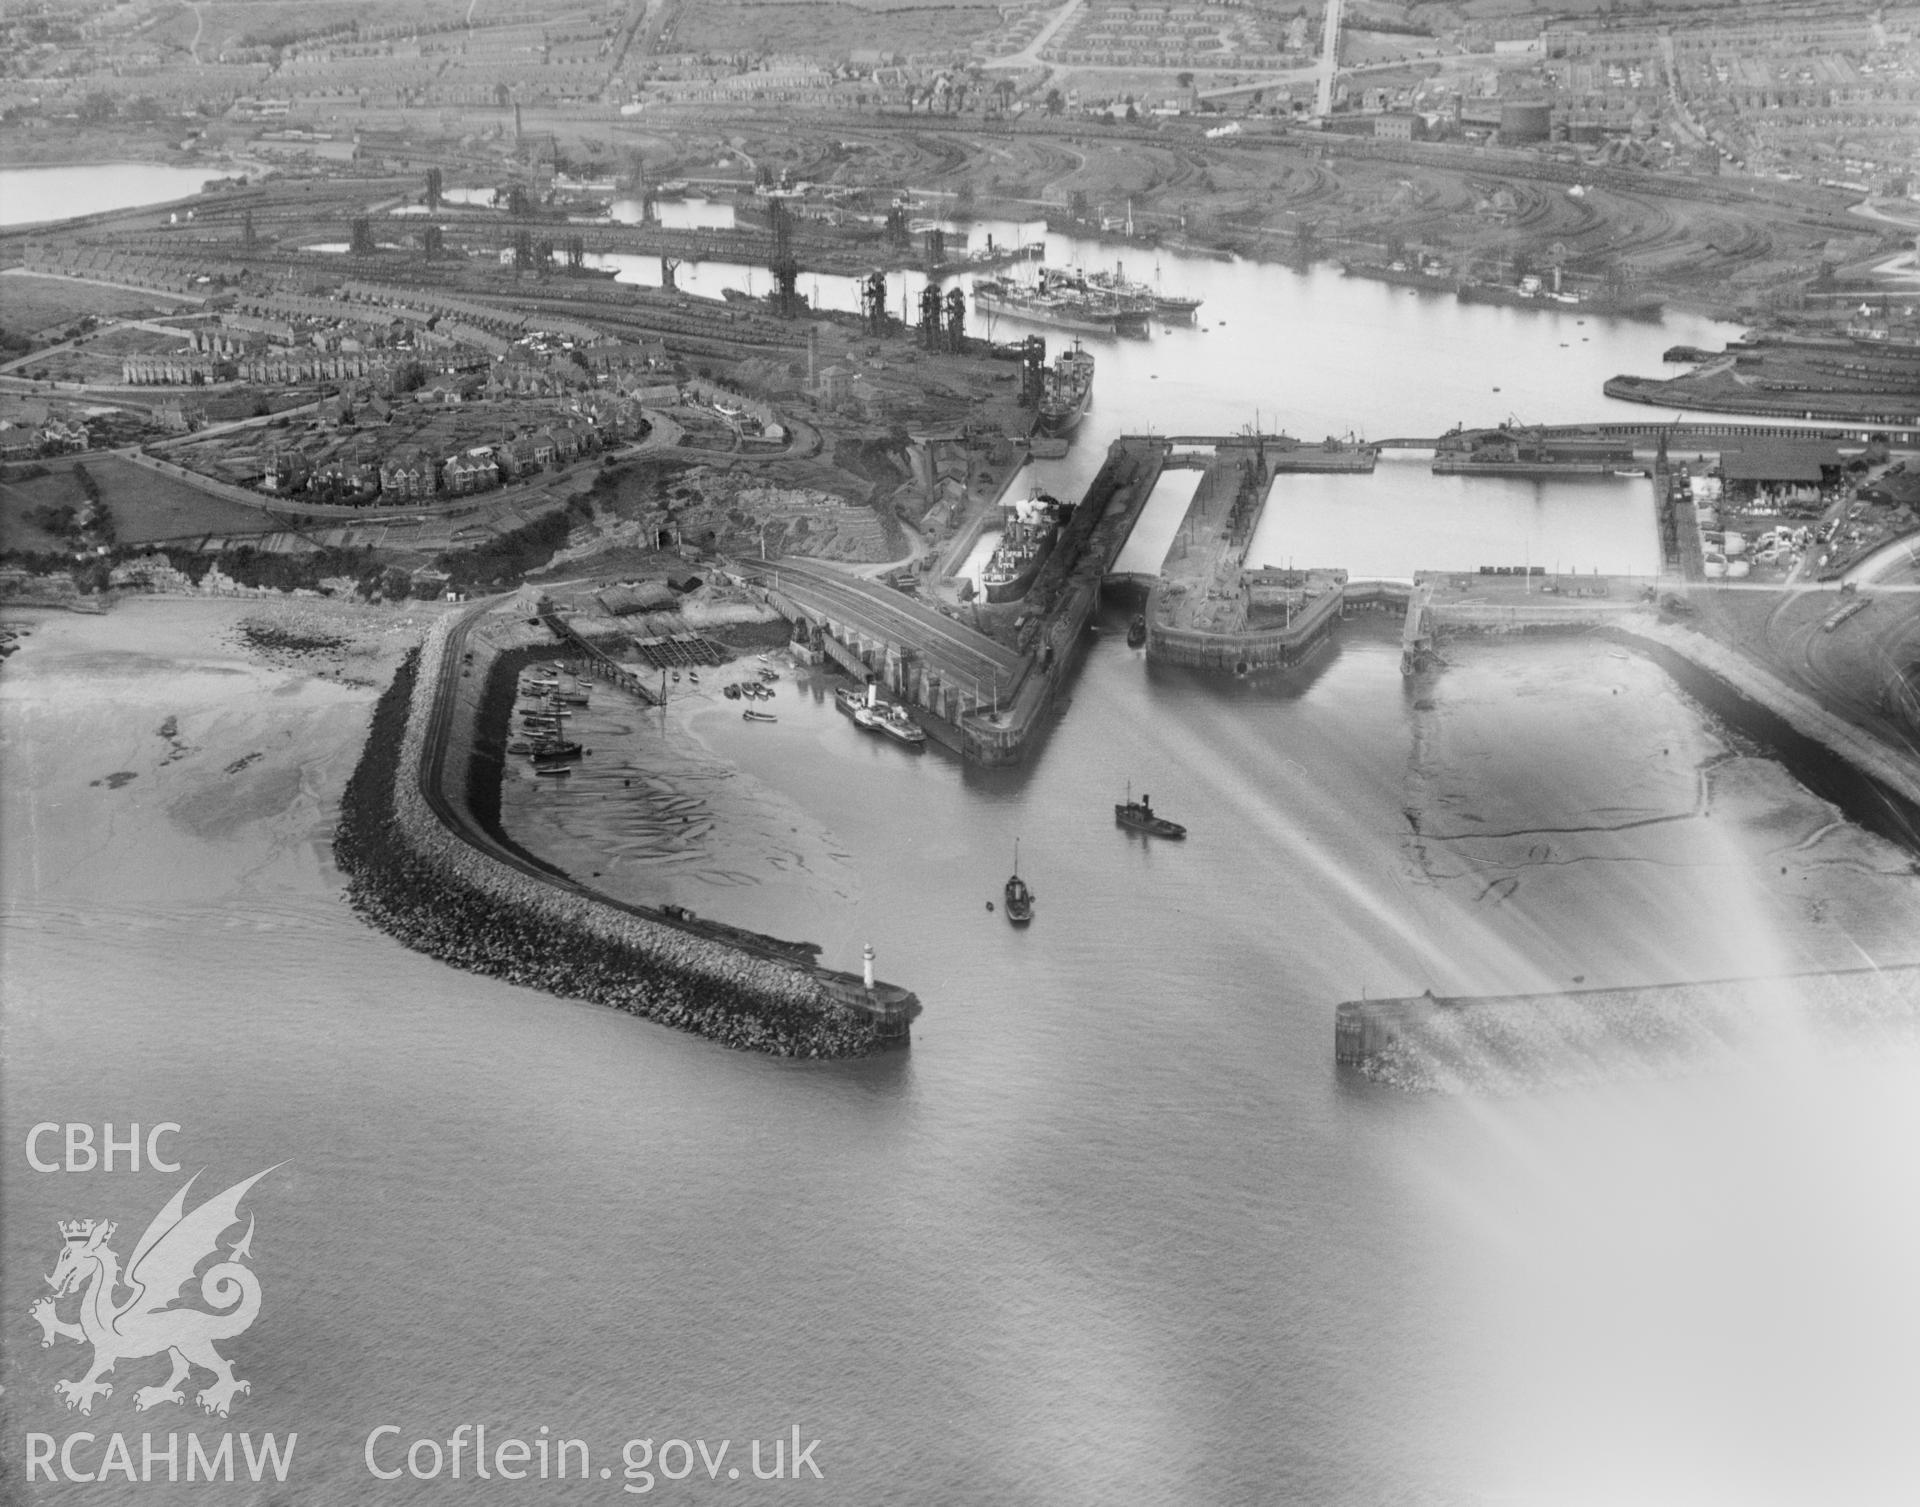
{"x":1028,"y":531}
{"x":893,"y":721}
{"x":875,"y":715}
{"x":1067,"y":393}
{"x":1065,"y":299}
{"x":750,"y":715}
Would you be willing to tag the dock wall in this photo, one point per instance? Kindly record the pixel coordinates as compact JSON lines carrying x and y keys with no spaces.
{"x":422,"y":869}
{"x":1066,"y":596}
{"x":1255,"y":649}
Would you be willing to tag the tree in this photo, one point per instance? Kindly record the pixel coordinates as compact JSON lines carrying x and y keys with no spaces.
{"x":1056,"y":102}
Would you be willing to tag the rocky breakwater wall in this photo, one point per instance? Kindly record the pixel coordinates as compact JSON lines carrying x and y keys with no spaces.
{"x":439,"y":891}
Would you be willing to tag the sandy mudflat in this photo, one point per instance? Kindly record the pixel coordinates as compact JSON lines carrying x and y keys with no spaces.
{"x":156,"y":755}
{"x":664,"y":812}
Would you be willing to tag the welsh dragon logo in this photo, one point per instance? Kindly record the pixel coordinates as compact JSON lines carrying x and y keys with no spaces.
{"x":147,"y":1322}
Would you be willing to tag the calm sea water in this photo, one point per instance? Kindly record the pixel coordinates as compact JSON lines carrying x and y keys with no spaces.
{"x":1114,"y":1229}
{"x":31,"y":194}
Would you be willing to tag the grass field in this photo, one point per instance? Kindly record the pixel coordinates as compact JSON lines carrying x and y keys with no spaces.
{"x":29,"y":304}
{"x":145,"y":507}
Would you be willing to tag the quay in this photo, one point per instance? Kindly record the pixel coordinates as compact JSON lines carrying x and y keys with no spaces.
{"x":1205,"y":610}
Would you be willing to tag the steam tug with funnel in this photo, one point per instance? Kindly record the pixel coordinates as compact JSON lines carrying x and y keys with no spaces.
{"x":1139,"y":816}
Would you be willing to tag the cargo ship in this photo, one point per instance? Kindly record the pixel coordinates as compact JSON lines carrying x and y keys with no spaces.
{"x":1028,"y":532}
{"x":1066,"y":394}
{"x":1530,"y":294}
{"x":1064,"y":299}
{"x":1428,"y":277}
{"x":1166,"y":305}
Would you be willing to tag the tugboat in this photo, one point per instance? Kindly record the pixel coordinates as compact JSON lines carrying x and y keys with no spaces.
{"x":1019,"y":899}
{"x":1137,"y":631}
{"x":1139,"y":816}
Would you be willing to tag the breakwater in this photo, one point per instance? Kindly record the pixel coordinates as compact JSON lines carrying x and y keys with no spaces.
{"x":1517,"y":1042}
{"x":438,"y":889}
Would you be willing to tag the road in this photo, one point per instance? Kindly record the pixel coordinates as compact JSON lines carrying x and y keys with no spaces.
{"x":1029,"y":56}
{"x":1329,"y":60}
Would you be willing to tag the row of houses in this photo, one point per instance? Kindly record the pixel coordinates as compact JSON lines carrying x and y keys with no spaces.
{"x":185,"y":368}
{"x":410,"y":473}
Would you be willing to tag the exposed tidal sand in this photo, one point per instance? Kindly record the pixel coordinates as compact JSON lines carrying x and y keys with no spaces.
{"x":162,"y":753}
{"x":1579,"y":786}
{"x":662,"y":813}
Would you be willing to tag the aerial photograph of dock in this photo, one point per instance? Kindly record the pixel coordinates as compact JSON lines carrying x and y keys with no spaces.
{"x":579,"y":581}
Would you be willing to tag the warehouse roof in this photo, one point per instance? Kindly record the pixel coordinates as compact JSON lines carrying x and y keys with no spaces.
{"x":1779,"y":460}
